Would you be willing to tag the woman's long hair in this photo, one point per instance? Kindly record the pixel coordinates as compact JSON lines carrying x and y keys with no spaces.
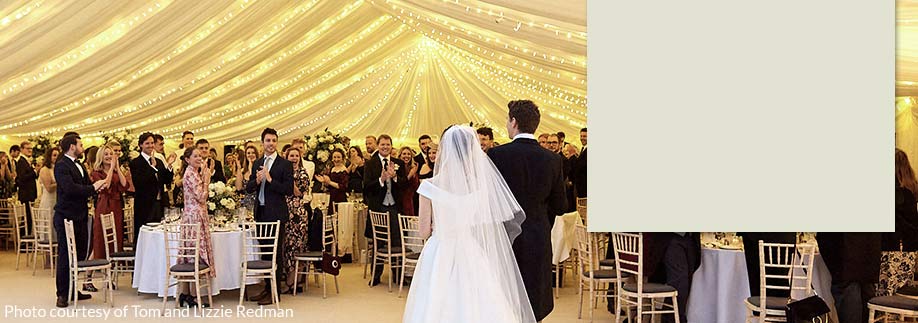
{"x":185,"y":158}
{"x":48,"y":163}
{"x":905,"y":175}
{"x":100,"y":155}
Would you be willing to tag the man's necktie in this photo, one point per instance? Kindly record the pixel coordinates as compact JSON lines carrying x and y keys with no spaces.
{"x":261,"y":191}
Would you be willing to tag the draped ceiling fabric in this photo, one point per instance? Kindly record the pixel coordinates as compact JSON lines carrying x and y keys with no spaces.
{"x":227,"y":69}
{"x":907,"y":78}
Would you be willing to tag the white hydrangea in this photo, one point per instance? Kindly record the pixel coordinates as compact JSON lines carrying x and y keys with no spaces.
{"x":211,"y":206}
{"x":313,"y":143}
{"x":322,"y":155}
{"x":210,"y":186}
{"x":211,"y":194}
{"x":230,"y":204}
{"x":339,"y":146}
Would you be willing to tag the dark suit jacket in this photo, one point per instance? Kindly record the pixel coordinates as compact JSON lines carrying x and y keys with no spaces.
{"x":534,"y":176}
{"x":373,"y":193}
{"x":276,"y":190}
{"x":906,"y":223}
{"x":579,"y":174}
{"x":420,"y":159}
{"x":851,"y":257}
{"x":148,"y":184}
{"x":25,"y":180}
{"x":218,"y":173}
{"x":73,"y":192}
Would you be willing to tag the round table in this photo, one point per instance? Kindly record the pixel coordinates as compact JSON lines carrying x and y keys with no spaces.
{"x":150,"y":267}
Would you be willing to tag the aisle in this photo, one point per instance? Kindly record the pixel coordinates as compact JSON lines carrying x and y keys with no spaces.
{"x":356,"y":303}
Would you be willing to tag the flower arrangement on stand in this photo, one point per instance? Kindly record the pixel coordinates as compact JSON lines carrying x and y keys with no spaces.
{"x":40,"y":145}
{"x":319,"y":148}
{"x":222,"y":203}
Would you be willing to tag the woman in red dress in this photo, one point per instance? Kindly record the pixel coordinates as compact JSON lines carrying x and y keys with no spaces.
{"x":335,"y":180}
{"x":407,"y":156}
{"x":107,"y":168}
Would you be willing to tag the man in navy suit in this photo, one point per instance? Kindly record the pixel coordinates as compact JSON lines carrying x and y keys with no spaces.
{"x":150,"y":176}
{"x":272,"y":182}
{"x":383,"y":179}
{"x":534,"y":176}
{"x":73,"y":193}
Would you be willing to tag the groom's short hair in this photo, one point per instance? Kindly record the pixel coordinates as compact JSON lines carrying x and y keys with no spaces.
{"x":384,"y":136}
{"x":526,"y":114}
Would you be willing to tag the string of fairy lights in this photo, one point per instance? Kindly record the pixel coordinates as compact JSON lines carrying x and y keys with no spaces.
{"x":311,"y":80}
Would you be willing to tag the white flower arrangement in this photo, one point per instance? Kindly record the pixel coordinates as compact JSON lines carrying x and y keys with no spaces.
{"x":221,"y":198}
{"x":320,"y":145}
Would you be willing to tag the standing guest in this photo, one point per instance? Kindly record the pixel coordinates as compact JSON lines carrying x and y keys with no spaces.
{"x":159,"y":151}
{"x":25,"y":180}
{"x":296,"y":227}
{"x":346,"y":141}
{"x":109,"y":200}
{"x":243,"y":172}
{"x":554,"y":144}
{"x":194,"y":187}
{"x":384,"y":177}
{"x":150,"y":175}
{"x":561,"y":138}
{"x":46,"y":178}
{"x":187,"y":141}
{"x":906,"y":234}
{"x":423,"y":142}
{"x":212,"y":163}
{"x":409,"y":191}
{"x":6,"y":176}
{"x":90,"y":154}
{"x":272,"y":181}
{"x":543,"y":140}
{"x":335,"y":180}
{"x":355,"y":169}
{"x":486,"y":138}
{"x":371,"y":147}
{"x":125,"y":170}
{"x":534,"y":176}
{"x":579,"y":167}
{"x":426,"y":170}
{"x":73,"y":193}
{"x":15,"y":152}
{"x":308,"y":166}
{"x":853,"y":260}
{"x":229,"y":168}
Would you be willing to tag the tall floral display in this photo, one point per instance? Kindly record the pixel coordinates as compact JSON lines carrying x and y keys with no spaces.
{"x":319,"y":147}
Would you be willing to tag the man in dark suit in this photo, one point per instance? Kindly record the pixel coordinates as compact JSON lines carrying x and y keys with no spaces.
{"x":150,"y":176}
{"x":579,"y":168}
{"x":25,"y":180}
{"x":204,"y":146}
{"x":73,"y":193}
{"x":271,"y":182}
{"x":384,"y":177}
{"x":853,"y":260}
{"x":534,"y":176}
{"x":421,"y":159}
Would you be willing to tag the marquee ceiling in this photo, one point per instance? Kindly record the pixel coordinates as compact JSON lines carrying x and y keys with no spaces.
{"x":227,"y":69}
{"x":906,"y":48}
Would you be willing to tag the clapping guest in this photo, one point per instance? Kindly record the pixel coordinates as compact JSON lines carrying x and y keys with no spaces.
{"x":6,"y":176}
{"x":411,"y":188}
{"x":355,"y":169}
{"x":46,"y":178}
{"x":296,"y":226}
{"x":25,"y":180}
{"x":194,"y":186}
{"x":308,"y":166}
{"x":150,"y":176}
{"x":229,"y":168}
{"x":424,"y":143}
{"x":335,"y":180}
{"x":382,"y":185}
{"x":243,"y":172}
{"x":212,"y":163}
{"x":426,"y":170}
{"x":109,"y":200}
{"x":371,"y":147}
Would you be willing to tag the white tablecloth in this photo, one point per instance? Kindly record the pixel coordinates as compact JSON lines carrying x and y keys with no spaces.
{"x":562,"y":236}
{"x":347,"y":221}
{"x":721,"y":285}
{"x":150,"y":262}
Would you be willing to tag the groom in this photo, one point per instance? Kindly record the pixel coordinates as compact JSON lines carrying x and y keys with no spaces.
{"x":534,"y":176}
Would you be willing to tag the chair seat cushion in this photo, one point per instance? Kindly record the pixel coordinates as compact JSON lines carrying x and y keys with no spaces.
{"x":607,"y":263}
{"x":186,"y":268}
{"x":649,"y":288}
{"x":908,"y":290}
{"x":603,"y":273}
{"x":898,"y":302}
{"x":384,"y":249}
{"x":92,"y":263}
{"x":413,"y":255}
{"x":258,"y":264}
{"x":123,"y":254}
{"x":309,"y":254}
{"x":771,"y":302}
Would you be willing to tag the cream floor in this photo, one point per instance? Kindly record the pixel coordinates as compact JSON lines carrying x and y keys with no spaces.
{"x":357,"y":302}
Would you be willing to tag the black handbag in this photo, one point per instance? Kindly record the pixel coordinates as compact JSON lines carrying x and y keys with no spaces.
{"x":808,"y":310}
{"x":331,"y":264}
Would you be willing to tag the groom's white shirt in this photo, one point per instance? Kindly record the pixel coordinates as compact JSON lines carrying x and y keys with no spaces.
{"x":524,"y":136}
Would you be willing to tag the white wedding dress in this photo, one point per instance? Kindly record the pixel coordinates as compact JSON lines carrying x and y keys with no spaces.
{"x":467,"y":271}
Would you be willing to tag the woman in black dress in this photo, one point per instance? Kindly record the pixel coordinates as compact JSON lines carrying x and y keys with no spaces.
{"x":335,"y":180}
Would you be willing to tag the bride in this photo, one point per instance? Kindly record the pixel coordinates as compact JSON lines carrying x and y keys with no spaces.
{"x":467,"y":271}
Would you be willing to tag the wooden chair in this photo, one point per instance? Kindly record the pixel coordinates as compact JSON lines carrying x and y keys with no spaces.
{"x":8,"y":224}
{"x":25,"y":243}
{"x":778,"y":263}
{"x":590,"y":277}
{"x":383,"y":250}
{"x":892,"y":309}
{"x":122,"y":261}
{"x":45,"y":244}
{"x":629,"y":253}
{"x":313,"y":259}
{"x":128,"y":235}
{"x":185,"y":253}
{"x":411,"y":240}
{"x":582,"y":208}
{"x":262,"y":241}
{"x":87,"y":268}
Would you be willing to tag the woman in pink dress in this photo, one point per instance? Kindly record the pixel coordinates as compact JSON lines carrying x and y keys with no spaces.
{"x":194,"y":185}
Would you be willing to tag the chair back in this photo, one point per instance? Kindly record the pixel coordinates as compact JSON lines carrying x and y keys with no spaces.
{"x":183,"y":244}
{"x":108,"y":234}
{"x":129,"y":221}
{"x":41,"y":224}
{"x":585,"y":251}
{"x":410,"y":227}
{"x":786,"y":267}
{"x":380,"y":223}
{"x":329,"y":236}
{"x":71,"y":245}
{"x":582,"y":208}
{"x":259,"y":239}
{"x":19,"y":218}
{"x":629,"y":251}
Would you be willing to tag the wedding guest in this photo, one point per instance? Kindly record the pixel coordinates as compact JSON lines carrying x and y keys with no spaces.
{"x":853,"y":261}
{"x":25,"y":180}
{"x":159,"y":143}
{"x":108,"y":201}
{"x":90,"y":159}
{"x":308,"y":166}
{"x":296,"y":226}
{"x":554,"y":144}
{"x":423,"y":142}
{"x":187,"y":141}
{"x":15,"y":152}
{"x":409,"y":191}
{"x":543,"y":140}
{"x":46,"y":178}
{"x":212,"y":163}
{"x":243,"y":172}
{"x":150,"y":175}
{"x":579,"y":167}
{"x":486,"y":138}
{"x":272,"y":181}
{"x":383,"y":180}
{"x":561,"y":138}
{"x":371,"y":147}
{"x":194,"y":187}
{"x":355,"y":169}
{"x":345,"y":141}
{"x":906,"y":234}
{"x":123,"y":163}
{"x":426,"y":170}
{"x":229,"y":168}
{"x":73,"y":192}
{"x":336,"y":180}
{"x":6,"y":176}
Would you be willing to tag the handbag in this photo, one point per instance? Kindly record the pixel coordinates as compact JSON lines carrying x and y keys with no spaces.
{"x":807,"y":310}
{"x":331,"y":264}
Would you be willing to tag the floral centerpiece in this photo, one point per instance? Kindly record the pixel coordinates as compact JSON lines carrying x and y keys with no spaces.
{"x":320,"y":146}
{"x":222,"y":203}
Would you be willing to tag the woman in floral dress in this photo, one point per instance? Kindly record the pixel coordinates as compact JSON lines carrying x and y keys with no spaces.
{"x":194,"y":185}
{"x":296,"y":226}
